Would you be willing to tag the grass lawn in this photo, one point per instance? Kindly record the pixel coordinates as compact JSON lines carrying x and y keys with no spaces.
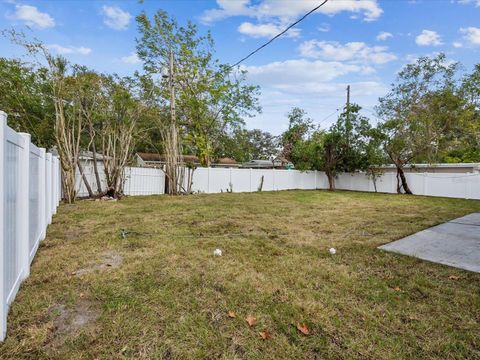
{"x":158,"y":292}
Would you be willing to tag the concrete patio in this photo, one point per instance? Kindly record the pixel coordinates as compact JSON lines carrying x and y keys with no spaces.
{"x":455,"y":243}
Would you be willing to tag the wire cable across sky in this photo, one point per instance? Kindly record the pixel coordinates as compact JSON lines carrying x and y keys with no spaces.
{"x":279,"y":34}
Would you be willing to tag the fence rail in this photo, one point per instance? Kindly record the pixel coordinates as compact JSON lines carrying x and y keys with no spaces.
{"x":30,"y":191}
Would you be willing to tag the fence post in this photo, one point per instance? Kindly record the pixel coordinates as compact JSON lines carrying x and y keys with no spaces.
{"x":208,"y":180}
{"x":250,"y":188}
{"x":59,"y":181}
{"x":273,"y":179}
{"x":48,"y":188}
{"x":425,"y":182}
{"x":54,"y":186}
{"x":3,"y":295}
{"x":23,"y":221}
{"x":42,"y":196}
{"x":59,"y":175}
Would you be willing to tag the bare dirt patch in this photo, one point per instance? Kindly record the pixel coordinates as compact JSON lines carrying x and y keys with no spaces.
{"x":108,"y":260}
{"x":71,"y":321}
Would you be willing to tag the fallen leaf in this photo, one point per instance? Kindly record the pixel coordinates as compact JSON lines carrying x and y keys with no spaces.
{"x":265,"y":334}
{"x":251,"y":320}
{"x":232,"y":314}
{"x":396,"y":288}
{"x":303,"y":329}
{"x":82,"y":295}
{"x":453,"y":277}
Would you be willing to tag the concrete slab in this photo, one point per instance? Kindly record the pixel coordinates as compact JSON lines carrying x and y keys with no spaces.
{"x":455,"y":243}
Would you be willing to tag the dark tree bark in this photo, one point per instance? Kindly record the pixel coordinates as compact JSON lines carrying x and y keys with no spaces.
{"x":403,"y":179}
{"x":94,"y":156}
{"x":331,"y":180}
{"x":330,"y":164}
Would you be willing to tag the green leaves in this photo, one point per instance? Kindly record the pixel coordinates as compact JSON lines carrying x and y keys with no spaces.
{"x":211,"y":98}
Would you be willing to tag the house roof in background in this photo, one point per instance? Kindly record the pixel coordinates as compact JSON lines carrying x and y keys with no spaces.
{"x":154,"y":157}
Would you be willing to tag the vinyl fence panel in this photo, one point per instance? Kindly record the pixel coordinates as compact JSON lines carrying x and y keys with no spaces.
{"x":29,"y":195}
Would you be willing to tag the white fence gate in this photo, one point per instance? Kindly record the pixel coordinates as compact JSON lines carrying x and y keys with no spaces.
{"x":30,"y":191}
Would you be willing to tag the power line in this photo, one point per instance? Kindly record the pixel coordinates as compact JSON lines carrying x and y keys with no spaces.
{"x":328,"y":116}
{"x":278,"y":35}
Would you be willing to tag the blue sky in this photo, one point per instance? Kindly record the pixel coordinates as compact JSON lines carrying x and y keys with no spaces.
{"x":358,"y":42}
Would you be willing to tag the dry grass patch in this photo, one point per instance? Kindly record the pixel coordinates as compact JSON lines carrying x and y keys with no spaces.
{"x":166,"y":296}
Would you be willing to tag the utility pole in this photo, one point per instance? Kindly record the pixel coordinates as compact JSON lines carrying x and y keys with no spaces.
{"x":347,"y":121}
{"x":172,"y":89}
{"x":172,"y":148}
{"x":348,"y":104}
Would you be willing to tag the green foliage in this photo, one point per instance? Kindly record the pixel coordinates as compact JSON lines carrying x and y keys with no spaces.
{"x":299,"y":127}
{"x":211,"y":97}
{"x":244,"y":145}
{"x":425,"y":114}
{"x":25,"y":95}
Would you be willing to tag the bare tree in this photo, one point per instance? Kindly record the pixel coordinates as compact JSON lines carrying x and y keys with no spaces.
{"x":118,"y":132}
{"x":68,"y":119}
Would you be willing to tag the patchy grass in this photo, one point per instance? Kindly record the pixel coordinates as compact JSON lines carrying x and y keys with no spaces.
{"x":158,"y":292}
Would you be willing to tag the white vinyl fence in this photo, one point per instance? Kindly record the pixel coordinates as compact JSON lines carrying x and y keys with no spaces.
{"x":30,"y":192}
{"x":454,"y":185}
{"x":138,"y":180}
{"x":149,"y":181}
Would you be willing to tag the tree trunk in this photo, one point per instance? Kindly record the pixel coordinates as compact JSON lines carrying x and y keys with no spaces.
{"x":331,"y":180}
{"x":403,"y":179}
{"x":84,"y":178}
{"x":94,"y":156}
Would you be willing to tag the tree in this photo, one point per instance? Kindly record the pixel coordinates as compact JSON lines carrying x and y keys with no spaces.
{"x":119,"y":119}
{"x":68,"y":119}
{"x":24,"y":95}
{"x":419,"y":113}
{"x":244,"y":145}
{"x":90,"y":94}
{"x":470,"y":87}
{"x":349,"y":145}
{"x":210,"y":97}
{"x":299,"y":126}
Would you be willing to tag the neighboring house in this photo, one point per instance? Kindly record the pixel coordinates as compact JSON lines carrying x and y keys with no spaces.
{"x":277,"y":163}
{"x":157,"y":160}
{"x":454,"y":168}
{"x":87,"y":156}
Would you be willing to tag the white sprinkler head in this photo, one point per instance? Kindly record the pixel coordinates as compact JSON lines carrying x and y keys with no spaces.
{"x":332,"y":251}
{"x":217,"y":252}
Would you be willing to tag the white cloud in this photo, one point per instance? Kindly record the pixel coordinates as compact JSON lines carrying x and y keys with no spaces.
{"x":116,"y":18}
{"x":457,"y":44}
{"x":131,"y":59}
{"x":287,"y":9}
{"x":265,"y":30}
{"x":31,"y":16}
{"x":471,"y":34}
{"x":428,"y":38}
{"x":476,"y":2}
{"x":302,"y":71}
{"x":315,"y":85}
{"x":352,"y":51}
{"x":324,"y":27}
{"x":382,"y":36}
{"x":63,"y":50}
